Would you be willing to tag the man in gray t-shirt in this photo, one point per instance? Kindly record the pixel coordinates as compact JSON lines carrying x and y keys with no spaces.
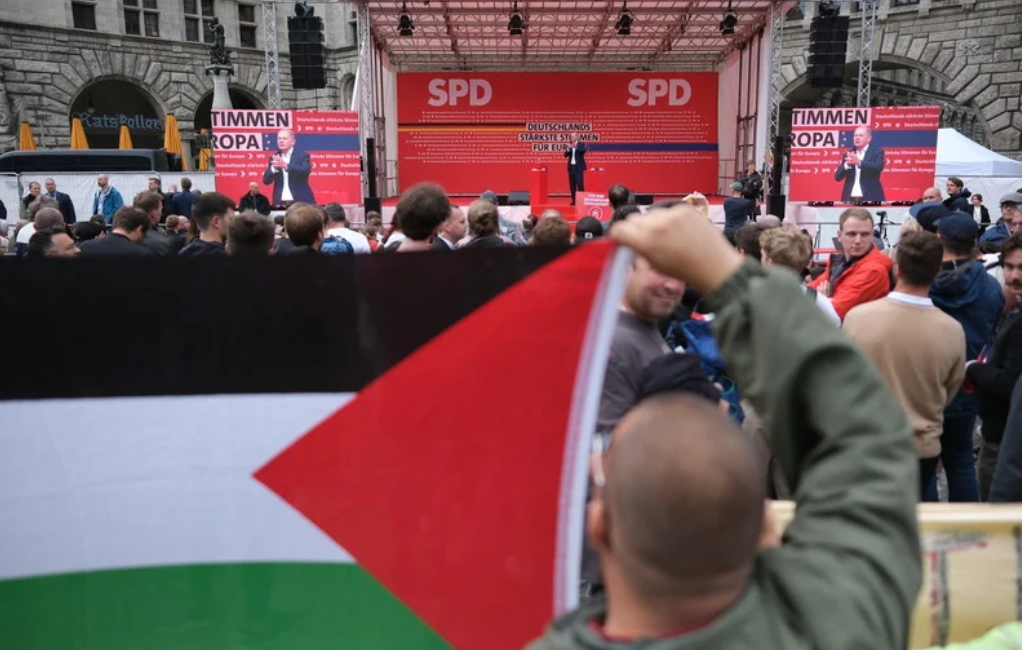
{"x":649,"y":297}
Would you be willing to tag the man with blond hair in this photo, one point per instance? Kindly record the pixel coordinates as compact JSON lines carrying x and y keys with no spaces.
{"x":793,"y":249}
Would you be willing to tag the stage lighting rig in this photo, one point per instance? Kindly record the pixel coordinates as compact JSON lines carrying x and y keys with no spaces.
{"x":516,"y":21}
{"x":730,"y":21}
{"x":624,"y":20}
{"x":405,"y":25}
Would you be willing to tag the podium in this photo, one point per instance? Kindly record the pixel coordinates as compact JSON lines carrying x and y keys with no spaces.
{"x":595,"y":180}
{"x":539,"y":188}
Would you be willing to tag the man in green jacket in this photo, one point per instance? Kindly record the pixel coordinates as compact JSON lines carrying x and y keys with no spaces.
{"x":678,"y":522}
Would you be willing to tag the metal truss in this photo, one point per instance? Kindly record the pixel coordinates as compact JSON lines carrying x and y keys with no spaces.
{"x":272,"y":54}
{"x":777,"y":10}
{"x":868,"y":36}
{"x":365,"y":89}
{"x":668,"y":35}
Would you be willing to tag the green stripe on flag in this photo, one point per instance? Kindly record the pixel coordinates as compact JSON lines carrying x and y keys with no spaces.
{"x":215,"y":606}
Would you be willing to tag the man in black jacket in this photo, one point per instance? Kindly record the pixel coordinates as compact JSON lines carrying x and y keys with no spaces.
{"x":212,"y":215}
{"x":576,"y":156}
{"x":995,"y":374}
{"x":152,"y":204}
{"x":254,"y":200}
{"x":130,"y":226}
{"x":957,"y":196}
{"x":1007,"y":485}
{"x":64,"y":202}
{"x":736,"y":211}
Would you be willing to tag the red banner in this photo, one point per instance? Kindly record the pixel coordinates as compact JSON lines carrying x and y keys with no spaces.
{"x":654,"y":132}
{"x":306,"y":156}
{"x":867,"y":154}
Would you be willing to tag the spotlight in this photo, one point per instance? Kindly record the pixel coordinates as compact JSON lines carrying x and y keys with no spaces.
{"x":303,"y":10}
{"x":405,"y":26}
{"x":516,"y":22}
{"x":727,"y":25}
{"x":625,"y":20}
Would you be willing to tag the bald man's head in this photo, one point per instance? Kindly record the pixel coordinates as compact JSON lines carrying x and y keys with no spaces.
{"x":683,"y":500}
{"x":769,"y":221}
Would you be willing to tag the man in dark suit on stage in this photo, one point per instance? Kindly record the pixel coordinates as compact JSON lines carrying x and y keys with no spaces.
{"x":860,"y":169}
{"x":64,"y":202}
{"x":289,"y":171}
{"x":576,"y":156}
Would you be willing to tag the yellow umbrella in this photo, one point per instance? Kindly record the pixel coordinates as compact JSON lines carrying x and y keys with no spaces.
{"x":204,"y":155}
{"x":125,"y":142}
{"x":172,"y":140}
{"x":26,"y":142}
{"x":78,"y":140}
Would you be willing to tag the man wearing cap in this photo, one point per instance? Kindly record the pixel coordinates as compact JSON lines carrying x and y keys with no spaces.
{"x":928,"y":213}
{"x":966,"y":292}
{"x":737,"y":209}
{"x":860,"y":169}
{"x":1010,"y":221}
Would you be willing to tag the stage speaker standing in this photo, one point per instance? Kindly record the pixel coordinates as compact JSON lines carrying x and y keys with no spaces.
{"x":576,"y":156}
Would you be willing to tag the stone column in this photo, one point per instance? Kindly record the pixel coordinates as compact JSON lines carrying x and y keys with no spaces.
{"x":221,"y":76}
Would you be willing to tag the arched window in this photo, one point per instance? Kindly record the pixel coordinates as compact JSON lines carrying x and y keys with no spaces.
{"x":103,"y":106}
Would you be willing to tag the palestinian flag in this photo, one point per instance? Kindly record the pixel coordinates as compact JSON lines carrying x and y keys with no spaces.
{"x":344,"y":452}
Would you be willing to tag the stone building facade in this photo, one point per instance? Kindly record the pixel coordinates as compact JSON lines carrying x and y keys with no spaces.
{"x":962,"y":55}
{"x":60,"y":58}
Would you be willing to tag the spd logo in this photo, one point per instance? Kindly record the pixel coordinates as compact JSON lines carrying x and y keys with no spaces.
{"x":646,"y":92}
{"x":447,"y":92}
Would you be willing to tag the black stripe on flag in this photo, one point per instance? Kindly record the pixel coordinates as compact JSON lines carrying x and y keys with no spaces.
{"x":129,"y":327}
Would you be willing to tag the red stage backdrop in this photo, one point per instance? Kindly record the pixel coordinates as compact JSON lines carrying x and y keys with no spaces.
{"x":654,"y":132}
{"x":323,"y":165}
{"x":896,"y":153}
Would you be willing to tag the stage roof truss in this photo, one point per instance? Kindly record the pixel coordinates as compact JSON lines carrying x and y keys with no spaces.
{"x":458,"y":35}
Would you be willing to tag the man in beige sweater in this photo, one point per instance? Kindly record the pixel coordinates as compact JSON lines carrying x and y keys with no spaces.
{"x":917,"y":348}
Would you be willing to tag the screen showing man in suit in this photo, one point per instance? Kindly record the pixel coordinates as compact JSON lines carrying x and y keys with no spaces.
{"x":860,"y":169}
{"x":576,"y":156}
{"x":288,"y":170}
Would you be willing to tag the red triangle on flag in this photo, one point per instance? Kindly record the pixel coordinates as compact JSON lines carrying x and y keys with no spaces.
{"x":445,"y":477}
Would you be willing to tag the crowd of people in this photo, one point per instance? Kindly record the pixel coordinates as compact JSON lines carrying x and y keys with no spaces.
{"x":848,"y":385}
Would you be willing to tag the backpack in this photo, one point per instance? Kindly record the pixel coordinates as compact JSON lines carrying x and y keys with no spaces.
{"x":334,"y":245}
{"x":699,"y":340}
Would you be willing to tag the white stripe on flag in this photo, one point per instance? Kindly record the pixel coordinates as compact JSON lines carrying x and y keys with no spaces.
{"x":110,"y":483}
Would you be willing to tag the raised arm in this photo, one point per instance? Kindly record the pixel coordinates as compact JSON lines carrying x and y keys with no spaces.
{"x":842,"y":439}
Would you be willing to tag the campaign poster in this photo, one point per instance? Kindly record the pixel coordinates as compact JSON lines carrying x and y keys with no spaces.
{"x":874,"y":155}
{"x":293,"y":156}
{"x":654,"y":132}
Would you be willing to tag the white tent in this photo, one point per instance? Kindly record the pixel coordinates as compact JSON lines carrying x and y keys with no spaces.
{"x":984,"y":172}
{"x":959,"y":156}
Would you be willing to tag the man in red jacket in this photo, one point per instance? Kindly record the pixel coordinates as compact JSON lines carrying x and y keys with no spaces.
{"x":862,"y":273}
